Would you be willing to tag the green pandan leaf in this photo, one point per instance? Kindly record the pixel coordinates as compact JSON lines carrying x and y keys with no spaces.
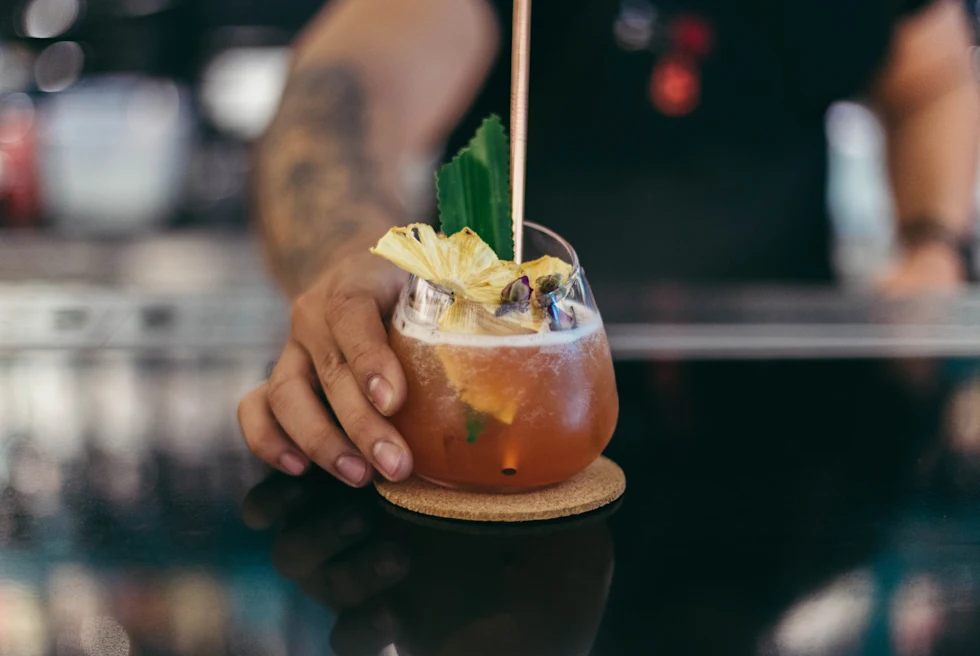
{"x":475,"y":423}
{"x":474,"y":189}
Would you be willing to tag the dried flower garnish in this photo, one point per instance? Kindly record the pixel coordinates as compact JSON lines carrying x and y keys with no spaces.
{"x":560,"y":320}
{"x":515,"y":297}
{"x":506,"y":303}
{"x":507,"y":308}
{"x":549,"y":284}
{"x":517,"y":291}
{"x":546,"y":265}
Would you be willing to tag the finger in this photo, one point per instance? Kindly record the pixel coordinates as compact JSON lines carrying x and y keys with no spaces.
{"x":368,"y":430}
{"x":364,"y":631}
{"x":376,"y":438}
{"x":265,"y":437}
{"x":356,"y":326}
{"x":299,"y":549}
{"x":352,"y":581}
{"x":301,"y":414}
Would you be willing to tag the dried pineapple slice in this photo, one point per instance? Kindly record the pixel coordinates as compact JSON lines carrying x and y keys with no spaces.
{"x":499,"y":399}
{"x":472,"y":318}
{"x":463,"y":263}
{"x":546,"y":266}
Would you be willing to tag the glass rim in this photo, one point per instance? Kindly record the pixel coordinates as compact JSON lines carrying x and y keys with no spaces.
{"x":559,"y":293}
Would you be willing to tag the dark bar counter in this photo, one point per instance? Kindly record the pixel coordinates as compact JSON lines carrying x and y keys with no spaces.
{"x":803,"y":479}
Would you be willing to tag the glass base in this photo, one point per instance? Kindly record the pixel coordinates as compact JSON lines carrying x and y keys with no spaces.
{"x":482,"y":489}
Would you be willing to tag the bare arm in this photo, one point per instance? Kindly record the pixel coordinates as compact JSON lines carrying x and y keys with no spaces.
{"x":374,"y":84}
{"x":930,"y":106}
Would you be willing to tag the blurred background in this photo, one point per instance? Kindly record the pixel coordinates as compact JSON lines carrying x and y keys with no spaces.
{"x":125,"y":127}
{"x":125,"y":130}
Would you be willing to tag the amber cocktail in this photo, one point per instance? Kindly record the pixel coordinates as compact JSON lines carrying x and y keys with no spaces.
{"x":500,"y":405}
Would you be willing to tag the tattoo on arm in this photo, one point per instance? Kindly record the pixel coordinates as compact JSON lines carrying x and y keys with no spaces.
{"x":318,"y":185}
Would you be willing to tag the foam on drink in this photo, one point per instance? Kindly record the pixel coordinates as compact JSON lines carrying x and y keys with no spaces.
{"x":406,"y":321}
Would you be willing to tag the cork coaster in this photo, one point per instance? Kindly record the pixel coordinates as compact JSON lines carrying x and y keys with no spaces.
{"x":597,"y":485}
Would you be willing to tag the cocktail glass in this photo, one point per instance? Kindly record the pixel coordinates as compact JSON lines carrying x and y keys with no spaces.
{"x":493,"y":411}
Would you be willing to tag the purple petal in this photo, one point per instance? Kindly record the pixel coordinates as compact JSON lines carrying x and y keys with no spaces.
{"x":517,"y":291}
{"x":507,"y":308}
{"x":560,"y":320}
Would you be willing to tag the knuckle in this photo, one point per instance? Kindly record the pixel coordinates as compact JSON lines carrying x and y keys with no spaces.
{"x":358,"y":425}
{"x":278,"y":391}
{"x":331,"y":366}
{"x":321,"y":446}
{"x":305,"y":309}
{"x":338,"y":297}
{"x":343,"y":306}
{"x":259,"y":443}
{"x":258,"y":446}
{"x":365,"y":360}
{"x":297,"y":315}
{"x":252,"y":399}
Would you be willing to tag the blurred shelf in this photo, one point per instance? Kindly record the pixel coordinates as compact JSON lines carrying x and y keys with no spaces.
{"x":172,"y":262}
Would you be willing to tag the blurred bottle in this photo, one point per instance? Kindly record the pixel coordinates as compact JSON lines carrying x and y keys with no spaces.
{"x":19,"y":202}
{"x":858,"y":194}
{"x":113,"y":152}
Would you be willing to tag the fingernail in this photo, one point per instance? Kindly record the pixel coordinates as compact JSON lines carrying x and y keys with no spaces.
{"x":380,"y":392}
{"x":352,"y":468}
{"x":292,"y":464}
{"x":389,"y":458}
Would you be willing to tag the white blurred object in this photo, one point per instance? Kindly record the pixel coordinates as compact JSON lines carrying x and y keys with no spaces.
{"x":143,"y":7}
{"x":113,"y":152}
{"x":634,"y":27}
{"x":16,"y":63}
{"x":828,"y":621}
{"x":22,"y":622}
{"x":59,"y":66}
{"x":242,"y":86}
{"x":858,"y":193}
{"x":54,"y":404}
{"x":917,"y":616}
{"x":198,"y":607}
{"x":104,"y":636}
{"x":46,"y":19}
{"x":184,"y":263}
{"x":76,"y":597}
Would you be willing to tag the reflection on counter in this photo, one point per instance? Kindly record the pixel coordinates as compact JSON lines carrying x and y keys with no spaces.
{"x":783,"y":515}
{"x":119,"y":531}
{"x":432,"y":586}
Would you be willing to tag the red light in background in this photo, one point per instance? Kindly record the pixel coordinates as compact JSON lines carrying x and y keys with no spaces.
{"x":675,"y":86}
{"x":692,"y":34}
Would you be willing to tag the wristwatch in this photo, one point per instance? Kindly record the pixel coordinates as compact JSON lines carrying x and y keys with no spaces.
{"x":927,"y":230}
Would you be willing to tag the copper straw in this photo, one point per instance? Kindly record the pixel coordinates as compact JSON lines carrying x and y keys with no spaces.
{"x":520,"y":65}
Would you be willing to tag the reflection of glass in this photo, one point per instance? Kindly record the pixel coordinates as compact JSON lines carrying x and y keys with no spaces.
{"x":504,"y":412}
{"x":426,"y":586}
{"x":522,"y":592}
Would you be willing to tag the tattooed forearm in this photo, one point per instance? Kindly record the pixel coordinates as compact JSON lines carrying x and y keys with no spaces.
{"x":319,"y":188}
